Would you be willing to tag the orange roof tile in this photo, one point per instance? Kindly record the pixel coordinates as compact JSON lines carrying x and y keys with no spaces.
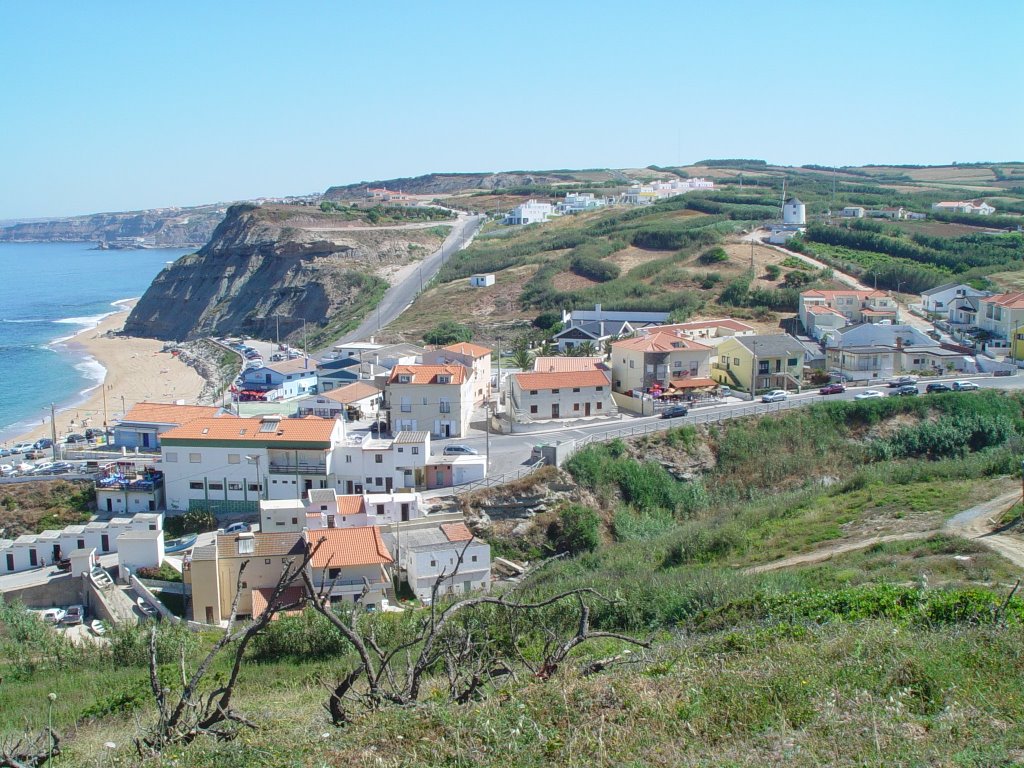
{"x":465,"y":348}
{"x":261,"y":600}
{"x":456,"y":532}
{"x":264,"y":545}
{"x":351,"y":392}
{"x":259,"y":430}
{"x":558,"y":380}
{"x":1013,"y":300}
{"x":660,"y":342}
{"x":862,"y":295}
{"x":168,"y":413}
{"x":699,"y":325}
{"x":351,"y":504}
{"x":694,"y":383}
{"x":819,"y":309}
{"x":342,"y":547}
{"x":567,"y":364}
{"x":427,"y":374}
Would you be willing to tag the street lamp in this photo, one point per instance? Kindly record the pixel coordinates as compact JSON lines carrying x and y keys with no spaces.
{"x":259,"y":479}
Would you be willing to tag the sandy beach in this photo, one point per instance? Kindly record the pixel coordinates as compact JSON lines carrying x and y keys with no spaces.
{"x":136,"y":370}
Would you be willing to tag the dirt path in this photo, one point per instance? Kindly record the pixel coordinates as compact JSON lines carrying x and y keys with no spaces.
{"x":974,"y":523}
{"x":827,"y":553}
{"x":977,"y":522}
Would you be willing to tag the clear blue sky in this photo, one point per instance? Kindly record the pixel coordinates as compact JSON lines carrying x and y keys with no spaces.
{"x":113,"y":106}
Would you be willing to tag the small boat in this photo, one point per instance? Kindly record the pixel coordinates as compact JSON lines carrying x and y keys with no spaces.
{"x":180,"y":545}
{"x":98,"y":627}
{"x":145,"y":607}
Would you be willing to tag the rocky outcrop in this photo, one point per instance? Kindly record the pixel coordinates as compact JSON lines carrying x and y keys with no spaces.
{"x":447,"y":183}
{"x":266,"y":269}
{"x":158,"y":228}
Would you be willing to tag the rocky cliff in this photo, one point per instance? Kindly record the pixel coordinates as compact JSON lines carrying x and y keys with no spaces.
{"x":158,"y":228}
{"x":270,"y":268}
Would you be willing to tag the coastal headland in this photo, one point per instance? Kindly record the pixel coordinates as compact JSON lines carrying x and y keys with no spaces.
{"x":136,"y":370}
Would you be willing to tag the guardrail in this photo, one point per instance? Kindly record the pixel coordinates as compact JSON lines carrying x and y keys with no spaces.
{"x":506,"y":477}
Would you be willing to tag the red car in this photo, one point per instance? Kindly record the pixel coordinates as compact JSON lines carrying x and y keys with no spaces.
{"x":832,"y":389}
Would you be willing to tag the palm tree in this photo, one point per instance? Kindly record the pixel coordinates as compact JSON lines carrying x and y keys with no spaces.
{"x":585,"y":349}
{"x":522,"y":357}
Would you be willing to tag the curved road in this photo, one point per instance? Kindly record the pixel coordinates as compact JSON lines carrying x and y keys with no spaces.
{"x":401,"y":294}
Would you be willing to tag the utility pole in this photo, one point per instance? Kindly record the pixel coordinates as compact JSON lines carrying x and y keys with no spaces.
{"x":53,"y":431}
{"x":305,"y":352}
{"x":106,"y":436}
{"x":277,"y":318}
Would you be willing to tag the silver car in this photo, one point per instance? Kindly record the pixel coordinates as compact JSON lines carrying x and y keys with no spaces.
{"x":775,"y":396}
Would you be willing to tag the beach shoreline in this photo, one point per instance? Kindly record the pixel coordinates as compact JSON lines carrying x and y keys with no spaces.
{"x":134,"y":370}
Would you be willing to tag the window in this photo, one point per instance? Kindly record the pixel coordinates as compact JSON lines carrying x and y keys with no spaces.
{"x":401,"y":449}
{"x":348,"y":458}
{"x":369,"y":481}
{"x":533,"y":409}
{"x":295,"y":521}
{"x":473,"y":558}
{"x":533,"y":391}
{"x":254,"y":487}
{"x":195,"y":486}
{"x":415,"y":450}
{"x":323,"y":507}
{"x":195,"y":458}
{"x":600,"y":389}
{"x":575,"y":406}
{"x":333,"y":573}
{"x":433,"y":563}
{"x":406,"y":405}
{"x":677,"y":363}
{"x":216,"y":486}
{"x":791,"y":362}
{"x":246,"y":546}
{"x":380,"y":481}
{"x":404,"y":378}
{"x":575,"y":389}
{"x":234,"y":458}
{"x":266,"y":561}
{"x":444,"y":379}
{"x":445,"y":406}
{"x":170,"y":458}
{"x":378,"y":458}
{"x":245,"y":584}
{"x":380,"y":509}
{"x":631,"y":364}
{"x":555,"y":391}
{"x":234,"y":486}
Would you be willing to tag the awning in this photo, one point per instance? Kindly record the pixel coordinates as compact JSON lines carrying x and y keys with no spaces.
{"x":692,"y":383}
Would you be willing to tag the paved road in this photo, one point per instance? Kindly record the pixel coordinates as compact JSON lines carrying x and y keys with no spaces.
{"x":401,"y":295}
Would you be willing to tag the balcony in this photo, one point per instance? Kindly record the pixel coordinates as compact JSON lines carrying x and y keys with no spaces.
{"x":302,"y":468}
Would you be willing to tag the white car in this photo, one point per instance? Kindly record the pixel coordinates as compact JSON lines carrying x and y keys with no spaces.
{"x":774,"y":396}
{"x":964,"y":386}
{"x":869,"y":394}
{"x":53,"y":615}
{"x":6,"y":469}
{"x":22,"y":468}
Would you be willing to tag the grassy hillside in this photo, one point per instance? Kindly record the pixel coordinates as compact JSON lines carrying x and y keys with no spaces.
{"x":650,"y":258}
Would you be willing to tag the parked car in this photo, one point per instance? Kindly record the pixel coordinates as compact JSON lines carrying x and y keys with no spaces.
{"x":53,"y":615}
{"x":237,"y":528}
{"x":964,"y":386}
{"x":93,"y":434}
{"x":34,"y":454}
{"x":42,"y":444}
{"x":6,"y":469}
{"x":74,"y":437}
{"x":833,"y":389}
{"x":22,"y":468}
{"x":901,"y":381}
{"x":42,"y":468}
{"x":64,"y":566}
{"x":459,"y":450}
{"x":868,"y":394}
{"x":775,"y":396}
{"x":379,"y":427}
{"x":61,"y":467}
{"x":674,"y":412}
{"x":74,"y":615}
{"x":5,"y":452}
{"x":938,"y":386}
{"x":905,"y":389}
{"x":21,"y":447}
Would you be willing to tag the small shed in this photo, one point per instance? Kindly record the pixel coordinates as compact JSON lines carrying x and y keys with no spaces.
{"x":481,"y":281}
{"x":83,"y":560}
{"x":140,"y":549}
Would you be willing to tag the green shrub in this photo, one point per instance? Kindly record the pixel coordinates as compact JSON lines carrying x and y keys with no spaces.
{"x":578,"y":530}
{"x":448,"y":332}
{"x":195,"y":521}
{"x":772,"y":271}
{"x":713,"y":256}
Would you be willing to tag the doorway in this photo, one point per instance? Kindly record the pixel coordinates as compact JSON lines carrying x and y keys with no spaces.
{"x":554,"y":410}
{"x":586,"y":409}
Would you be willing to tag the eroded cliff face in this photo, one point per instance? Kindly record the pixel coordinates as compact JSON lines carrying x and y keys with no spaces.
{"x":269,"y":265}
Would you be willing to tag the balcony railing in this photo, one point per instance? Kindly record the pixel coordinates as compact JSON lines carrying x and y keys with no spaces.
{"x":302,"y":468}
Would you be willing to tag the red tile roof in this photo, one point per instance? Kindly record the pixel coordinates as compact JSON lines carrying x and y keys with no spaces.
{"x":465,"y":348}
{"x":862,"y":295}
{"x":351,"y":504}
{"x":350,"y":393}
{"x":261,"y":600}
{"x":456,"y":532}
{"x":427,"y":374}
{"x":660,"y":342}
{"x":694,"y":383}
{"x":1013,"y":300}
{"x":819,"y":309}
{"x":559,"y":380}
{"x":261,"y":429}
{"x":567,"y":364}
{"x":346,"y":547}
{"x":699,"y":325}
{"x":168,"y":413}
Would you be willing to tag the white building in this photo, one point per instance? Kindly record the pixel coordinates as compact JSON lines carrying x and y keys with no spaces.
{"x":367,"y":464}
{"x":481,"y":281}
{"x":977,"y":207}
{"x":140,"y":549}
{"x":530,"y":212}
{"x":326,"y":508}
{"x":476,"y":359}
{"x":34,"y":550}
{"x":578,"y":202}
{"x":227,"y":465}
{"x":794,"y":213}
{"x":437,"y":398}
{"x":937,"y":300}
{"x":561,"y":396}
{"x":349,"y":402}
{"x":142,"y":426}
{"x":643,"y":194}
{"x":425,"y":554}
{"x":852,"y":212}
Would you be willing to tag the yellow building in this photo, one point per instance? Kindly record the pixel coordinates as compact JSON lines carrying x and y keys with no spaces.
{"x":659,"y":360}
{"x":777,"y":359}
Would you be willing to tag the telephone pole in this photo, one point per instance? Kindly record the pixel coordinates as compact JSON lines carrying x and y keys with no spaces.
{"x":53,"y":431}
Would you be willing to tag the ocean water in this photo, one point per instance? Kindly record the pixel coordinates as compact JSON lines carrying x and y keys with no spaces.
{"x":48,"y":293}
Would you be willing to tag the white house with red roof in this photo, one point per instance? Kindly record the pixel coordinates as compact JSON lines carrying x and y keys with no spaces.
{"x":558,"y":396}
{"x":711,"y":332}
{"x":144,"y":422}
{"x":474,"y":357}
{"x":1002,"y":315}
{"x":854,"y":306}
{"x":434,"y":398}
{"x":446,"y":553}
{"x":977,"y":207}
{"x":349,"y":402}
